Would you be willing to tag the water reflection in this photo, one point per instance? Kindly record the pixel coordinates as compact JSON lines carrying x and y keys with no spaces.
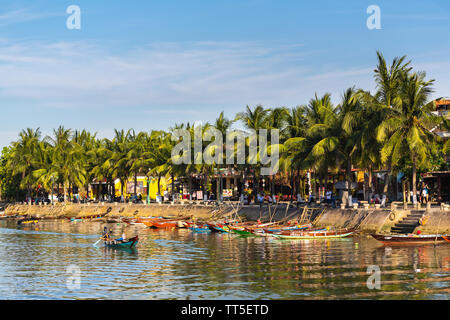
{"x":184,"y":265}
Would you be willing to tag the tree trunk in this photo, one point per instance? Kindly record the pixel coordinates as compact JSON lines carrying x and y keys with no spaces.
{"x":414,"y":173}
{"x":65,"y":191}
{"x":386,"y":184}
{"x":370,"y":184}
{"x":113,"y":190}
{"x":349,"y":180}
{"x":404,"y":192}
{"x":173,"y":187}
{"x":190,"y":187}
{"x":205,"y":189}
{"x":292,"y":185}
{"x":121,"y":189}
{"x":135,"y":184}
{"x":159,"y":184}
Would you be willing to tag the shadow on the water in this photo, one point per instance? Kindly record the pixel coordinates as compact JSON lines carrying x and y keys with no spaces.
{"x":109,"y":250}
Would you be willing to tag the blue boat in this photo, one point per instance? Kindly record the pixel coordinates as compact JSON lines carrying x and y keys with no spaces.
{"x":119,"y":243}
{"x":196,"y":228}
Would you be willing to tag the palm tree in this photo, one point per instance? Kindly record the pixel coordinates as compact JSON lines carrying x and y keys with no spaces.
{"x":294,"y":137}
{"x":369,"y":117}
{"x":159,"y":161}
{"x":89,"y":145}
{"x":388,"y":83}
{"x":47,"y":172}
{"x":405,"y":129}
{"x":321,"y":115}
{"x":101,"y":157}
{"x":23,"y":156}
{"x":119,"y":161}
{"x":253,"y":119}
{"x":68,"y":159}
{"x":137,"y":155}
{"x":339,"y":133}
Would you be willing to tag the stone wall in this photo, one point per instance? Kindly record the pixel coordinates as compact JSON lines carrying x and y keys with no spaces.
{"x":372,"y":220}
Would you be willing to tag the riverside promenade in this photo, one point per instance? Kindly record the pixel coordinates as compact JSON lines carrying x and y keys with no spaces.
{"x":367,"y":218}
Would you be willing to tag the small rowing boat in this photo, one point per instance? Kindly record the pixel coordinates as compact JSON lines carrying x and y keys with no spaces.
{"x":119,"y":243}
{"x":406,"y":239}
{"x":314,"y":234}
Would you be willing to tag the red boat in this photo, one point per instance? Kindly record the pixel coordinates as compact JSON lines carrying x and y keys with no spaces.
{"x":167,"y":224}
{"x":405,"y":239}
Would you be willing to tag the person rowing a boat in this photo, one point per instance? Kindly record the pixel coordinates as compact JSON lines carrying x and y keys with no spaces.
{"x":106,"y":234}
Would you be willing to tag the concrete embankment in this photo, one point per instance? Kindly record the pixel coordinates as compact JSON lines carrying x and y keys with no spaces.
{"x":371,"y":220}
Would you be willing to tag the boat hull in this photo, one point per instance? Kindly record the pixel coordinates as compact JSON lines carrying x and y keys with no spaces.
{"x":312,"y":235}
{"x":410,"y":240}
{"x":218,"y":227}
{"x":200,"y":229}
{"x":132,"y":242}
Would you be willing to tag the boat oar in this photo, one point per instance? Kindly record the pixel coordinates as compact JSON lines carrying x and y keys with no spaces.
{"x":97,"y":242}
{"x":446,"y":238}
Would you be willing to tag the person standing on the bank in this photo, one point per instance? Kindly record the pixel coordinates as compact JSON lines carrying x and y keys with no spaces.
{"x":425,"y":193}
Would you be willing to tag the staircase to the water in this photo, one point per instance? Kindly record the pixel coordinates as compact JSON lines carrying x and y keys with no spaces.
{"x":409,"y":223}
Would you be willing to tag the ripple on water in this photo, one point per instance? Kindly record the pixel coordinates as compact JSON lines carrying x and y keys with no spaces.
{"x":182,"y":265}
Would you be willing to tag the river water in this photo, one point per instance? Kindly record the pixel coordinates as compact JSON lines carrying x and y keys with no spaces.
{"x":57,"y":260}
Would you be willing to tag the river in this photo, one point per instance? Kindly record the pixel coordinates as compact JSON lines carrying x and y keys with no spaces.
{"x":57,"y":260}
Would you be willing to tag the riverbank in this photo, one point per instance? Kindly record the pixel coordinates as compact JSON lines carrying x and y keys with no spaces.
{"x":368,"y":220}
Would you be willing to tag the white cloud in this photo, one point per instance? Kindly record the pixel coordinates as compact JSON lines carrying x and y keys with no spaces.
{"x":163,"y":83}
{"x":84,"y":74}
{"x":22,"y":15}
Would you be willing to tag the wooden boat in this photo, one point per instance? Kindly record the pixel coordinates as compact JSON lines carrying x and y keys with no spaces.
{"x":199,"y":228}
{"x":165,"y":224}
{"x":96,"y":217}
{"x":248,"y":228}
{"x":21,"y":222}
{"x":406,"y":239}
{"x":286,"y":228}
{"x":314,"y":234}
{"x":130,"y":243}
{"x":218,"y":227}
{"x":160,"y":222}
{"x":265,"y":232}
{"x":241,"y":230}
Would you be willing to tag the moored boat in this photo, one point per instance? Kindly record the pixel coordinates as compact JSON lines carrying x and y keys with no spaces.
{"x":314,"y":234}
{"x":406,"y":239}
{"x":199,"y":228}
{"x":165,"y":224}
{"x":27,"y":221}
{"x":129,"y":243}
{"x":218,"y":227}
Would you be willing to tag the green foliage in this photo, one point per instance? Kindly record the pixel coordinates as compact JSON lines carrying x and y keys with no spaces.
{"x":389,"y":129}
{"x":9,"y":182}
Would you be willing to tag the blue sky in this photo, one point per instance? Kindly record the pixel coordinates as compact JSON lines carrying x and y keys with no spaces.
{"x":149,"y":64}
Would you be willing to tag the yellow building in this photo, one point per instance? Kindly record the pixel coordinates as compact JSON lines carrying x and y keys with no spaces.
{"x":141,"y":187}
